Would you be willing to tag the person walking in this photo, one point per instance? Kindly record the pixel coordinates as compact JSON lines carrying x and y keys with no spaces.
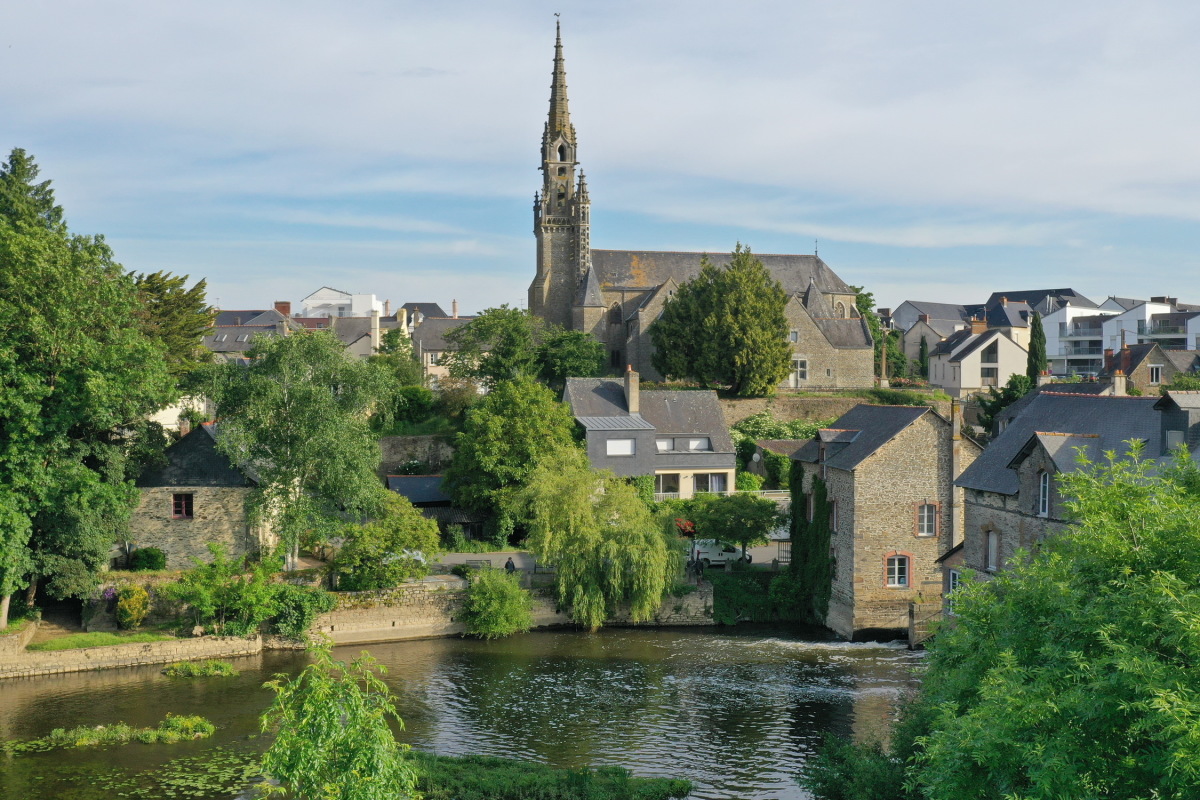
{"x":509,"y":566}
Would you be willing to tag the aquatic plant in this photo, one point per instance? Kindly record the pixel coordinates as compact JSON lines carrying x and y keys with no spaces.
{"x":200,"y":669}
{"x":170,"y":730}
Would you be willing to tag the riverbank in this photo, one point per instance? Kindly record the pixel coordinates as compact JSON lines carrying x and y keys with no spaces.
{"x":424,"y":609}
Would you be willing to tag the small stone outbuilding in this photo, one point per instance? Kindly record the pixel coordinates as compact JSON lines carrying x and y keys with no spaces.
{"x":198,"y":497}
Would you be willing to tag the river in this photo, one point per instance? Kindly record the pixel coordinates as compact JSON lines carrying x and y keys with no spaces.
{"x":736,"y":711}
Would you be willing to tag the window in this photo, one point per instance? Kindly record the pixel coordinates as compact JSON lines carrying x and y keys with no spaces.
{"x":562,"y":152}
{"x":181,"y":506}
{"x":244,"y":337}
{"x":1156,"y":373}
{"x":993,"y":551}
{"x":794,"y":336}
{"x":840,"y":310}
{"x":666,"y":483}
{"x":991,"y":353}
{"x":828,"y":372}
{"x":220,"y":337}
{"x":954,"y":577}
{"x":664,"y":445}
{"x":562,"y":170}
{"x":695,"y":443}
{"x":620,"y":447}
{"x":1043,"y":503}
{"x":799,"y":372}
{"x":927,"y":519}
{"x":614,"y":315}
{"x":897,"y":572}
{"x":709,"y":482}
{"x":614,"y":358}
{"x":435,"y":359}
{"x":1174,"y":439}
{"x":833,"y":516}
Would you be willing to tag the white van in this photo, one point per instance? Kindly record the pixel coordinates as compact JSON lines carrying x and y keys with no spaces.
{"x":711,"y":551}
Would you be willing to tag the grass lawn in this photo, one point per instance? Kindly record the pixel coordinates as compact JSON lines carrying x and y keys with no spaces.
{"x":78,"y":641}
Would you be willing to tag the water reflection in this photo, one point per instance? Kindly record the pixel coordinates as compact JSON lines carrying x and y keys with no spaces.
{"x":735,"y":712}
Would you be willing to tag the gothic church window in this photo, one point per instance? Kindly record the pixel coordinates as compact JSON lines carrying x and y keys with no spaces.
{"x":562,"y":152}
{"x":841,"y":309}
{"x":614,"y":315}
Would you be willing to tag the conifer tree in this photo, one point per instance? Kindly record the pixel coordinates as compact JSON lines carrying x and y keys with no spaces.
{"x":1036,"y":362}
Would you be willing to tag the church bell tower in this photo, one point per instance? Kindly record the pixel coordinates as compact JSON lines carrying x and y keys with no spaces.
{"x":561,"y":211}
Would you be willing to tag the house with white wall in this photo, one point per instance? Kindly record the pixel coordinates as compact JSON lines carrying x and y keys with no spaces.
{"x":975,"y":360}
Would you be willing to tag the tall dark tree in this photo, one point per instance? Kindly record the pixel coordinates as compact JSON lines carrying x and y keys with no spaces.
{"x":566,"y":354}
{"x":888,"y":344}
{"x":76,"y":372}
{"x":923,"y":357}
{"x":177,"y":316}
{"x":1036,"y":363}
{"x":726,"y":328}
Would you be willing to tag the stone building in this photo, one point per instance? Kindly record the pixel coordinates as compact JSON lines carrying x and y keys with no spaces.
{"x":197,"y":498}
{"x":1012,"y":498}
{"x":616,"y":295}
{"x":679,"y":437}
{"x":889,"y":474}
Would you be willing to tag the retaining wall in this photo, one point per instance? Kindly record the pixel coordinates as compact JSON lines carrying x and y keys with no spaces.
{"x":129,"y":655}
{"x":13,"y":644}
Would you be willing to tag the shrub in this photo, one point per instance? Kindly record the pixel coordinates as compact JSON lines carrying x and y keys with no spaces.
{"x":496,"y":605}
{"x":414,"y":403}
{"x":297,"y":607}
{"x":133,"y":605}
{"x":200,"y":669}
{"x":228,"y":595}
{"x":147,"y":559}
{"x":749,"y":482}
{"x":488,"y":778}
{"x":383,"y":552}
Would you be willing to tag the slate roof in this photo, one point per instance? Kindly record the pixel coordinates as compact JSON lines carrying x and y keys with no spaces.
{"x":1113,"y":419}
{"x":1181,"y":399}
{"x":1183,"y":360}
{"x":426,"y":309}
{"x":262,"y":316}
{"x":783,"y":447}
{"x":669,"y":411}
{"x":419,"y":489}
{"x":589,"y":291}
{"x":1063,"y":449}
{"x":1126,"y":302}
{"x":951,"y":342}
{"x":943,"y":327}
{"x":1036,"y":297}
{"x":350,"y":329}
{"x":235,"y":339}
{"x":1013,"y":409}
{"x":940,"y":311}
{"x":623,"y":422}
{"x":645,"y":269}
{"x":430,"y":334}
{"x":195,"y":461}
{"x":1012,"y":315}
{"x":863,"y":430}
{"x":1137,"y":354}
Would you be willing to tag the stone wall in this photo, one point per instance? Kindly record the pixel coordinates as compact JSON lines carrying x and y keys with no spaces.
{"x":430,"y":608}
{"x":788,"y":407}
{"x":396,"y":450}
{"x":219,"y":517}
{"x":128,"y":655}
{"x":13,"y":644}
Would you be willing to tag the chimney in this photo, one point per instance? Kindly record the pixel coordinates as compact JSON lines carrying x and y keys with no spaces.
{"x":454,"y":308}
{"x":284,"y":307}
{"x":923,"y":318}
{"x":1004,"y":301}
{"x":387,"y":308}
{"x":632,"y":390}
{"x":979,"y":326}
{"x":375,"y":330}
{"x":281,"y":327}
{"x":1109,"y":360}
{"x":1119,"y":383}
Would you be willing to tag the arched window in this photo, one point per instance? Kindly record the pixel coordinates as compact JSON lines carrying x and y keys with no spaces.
{"x":614,"y":315}
{"x":1043,"y":505}
{"x":562,"y":152}
{"x":897,"y":571}
{"x":840,"y":310}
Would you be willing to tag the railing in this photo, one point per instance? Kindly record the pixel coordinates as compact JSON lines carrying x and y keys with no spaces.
{"x":1081,"y":351}
{"x":1160,"y":330}
{"x":1074,"y":332}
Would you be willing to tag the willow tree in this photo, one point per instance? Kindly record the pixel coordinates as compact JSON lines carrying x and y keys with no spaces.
{"x":606,"y":546}
{"x":297,"y":415}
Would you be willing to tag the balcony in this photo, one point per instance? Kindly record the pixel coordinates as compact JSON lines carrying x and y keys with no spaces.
{"x":1156,"y":329}
{"x":1073,"y":352}
{"x":1066,"y":331}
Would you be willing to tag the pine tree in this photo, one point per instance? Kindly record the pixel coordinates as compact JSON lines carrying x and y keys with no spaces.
{"x":1037,"y":361}
{"x":923,"y":357}
{"x":177,"y":316}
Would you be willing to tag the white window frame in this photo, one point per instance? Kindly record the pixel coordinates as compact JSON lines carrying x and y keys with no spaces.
{"x":953,"y":581}
{"x":620,"y":451}
{"x":1156,"y":373}
{"x":1043,"y":502}
{"x":897,"y":576}
{"x":927,"y":519}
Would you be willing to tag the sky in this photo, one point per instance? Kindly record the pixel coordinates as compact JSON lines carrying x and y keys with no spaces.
{"x":929,"y":150}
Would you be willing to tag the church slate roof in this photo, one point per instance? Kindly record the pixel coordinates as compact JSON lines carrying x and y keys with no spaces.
{"x":872,"y":427}
{"x":589,"y":291}
{"x":645,"y":269}
{"x":1113,"y":419}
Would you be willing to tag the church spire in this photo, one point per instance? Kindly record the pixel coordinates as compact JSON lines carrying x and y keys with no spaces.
{"x":560,"y":118}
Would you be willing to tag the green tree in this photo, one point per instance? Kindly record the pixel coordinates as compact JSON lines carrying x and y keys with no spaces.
{"x":1183,"y":382}
{"x":726,"y":327}
{"x":923,"y":357}
{"x":742,"y":519}
{"x":297,"y":415}
{"x":504,"y":438}
{"x":332,"y":738}
{"x":566,"y":354}
{"x":398,"y":358}
{"x":1036,"y":361}
{"x":177,"y":316}
{"x":897,"y":362}
{"x":608,"y":549}
{"x":498,"y":345}
{"x":380,"y":553}
{"x":69,"y":392}
{"x":996,"y":400}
